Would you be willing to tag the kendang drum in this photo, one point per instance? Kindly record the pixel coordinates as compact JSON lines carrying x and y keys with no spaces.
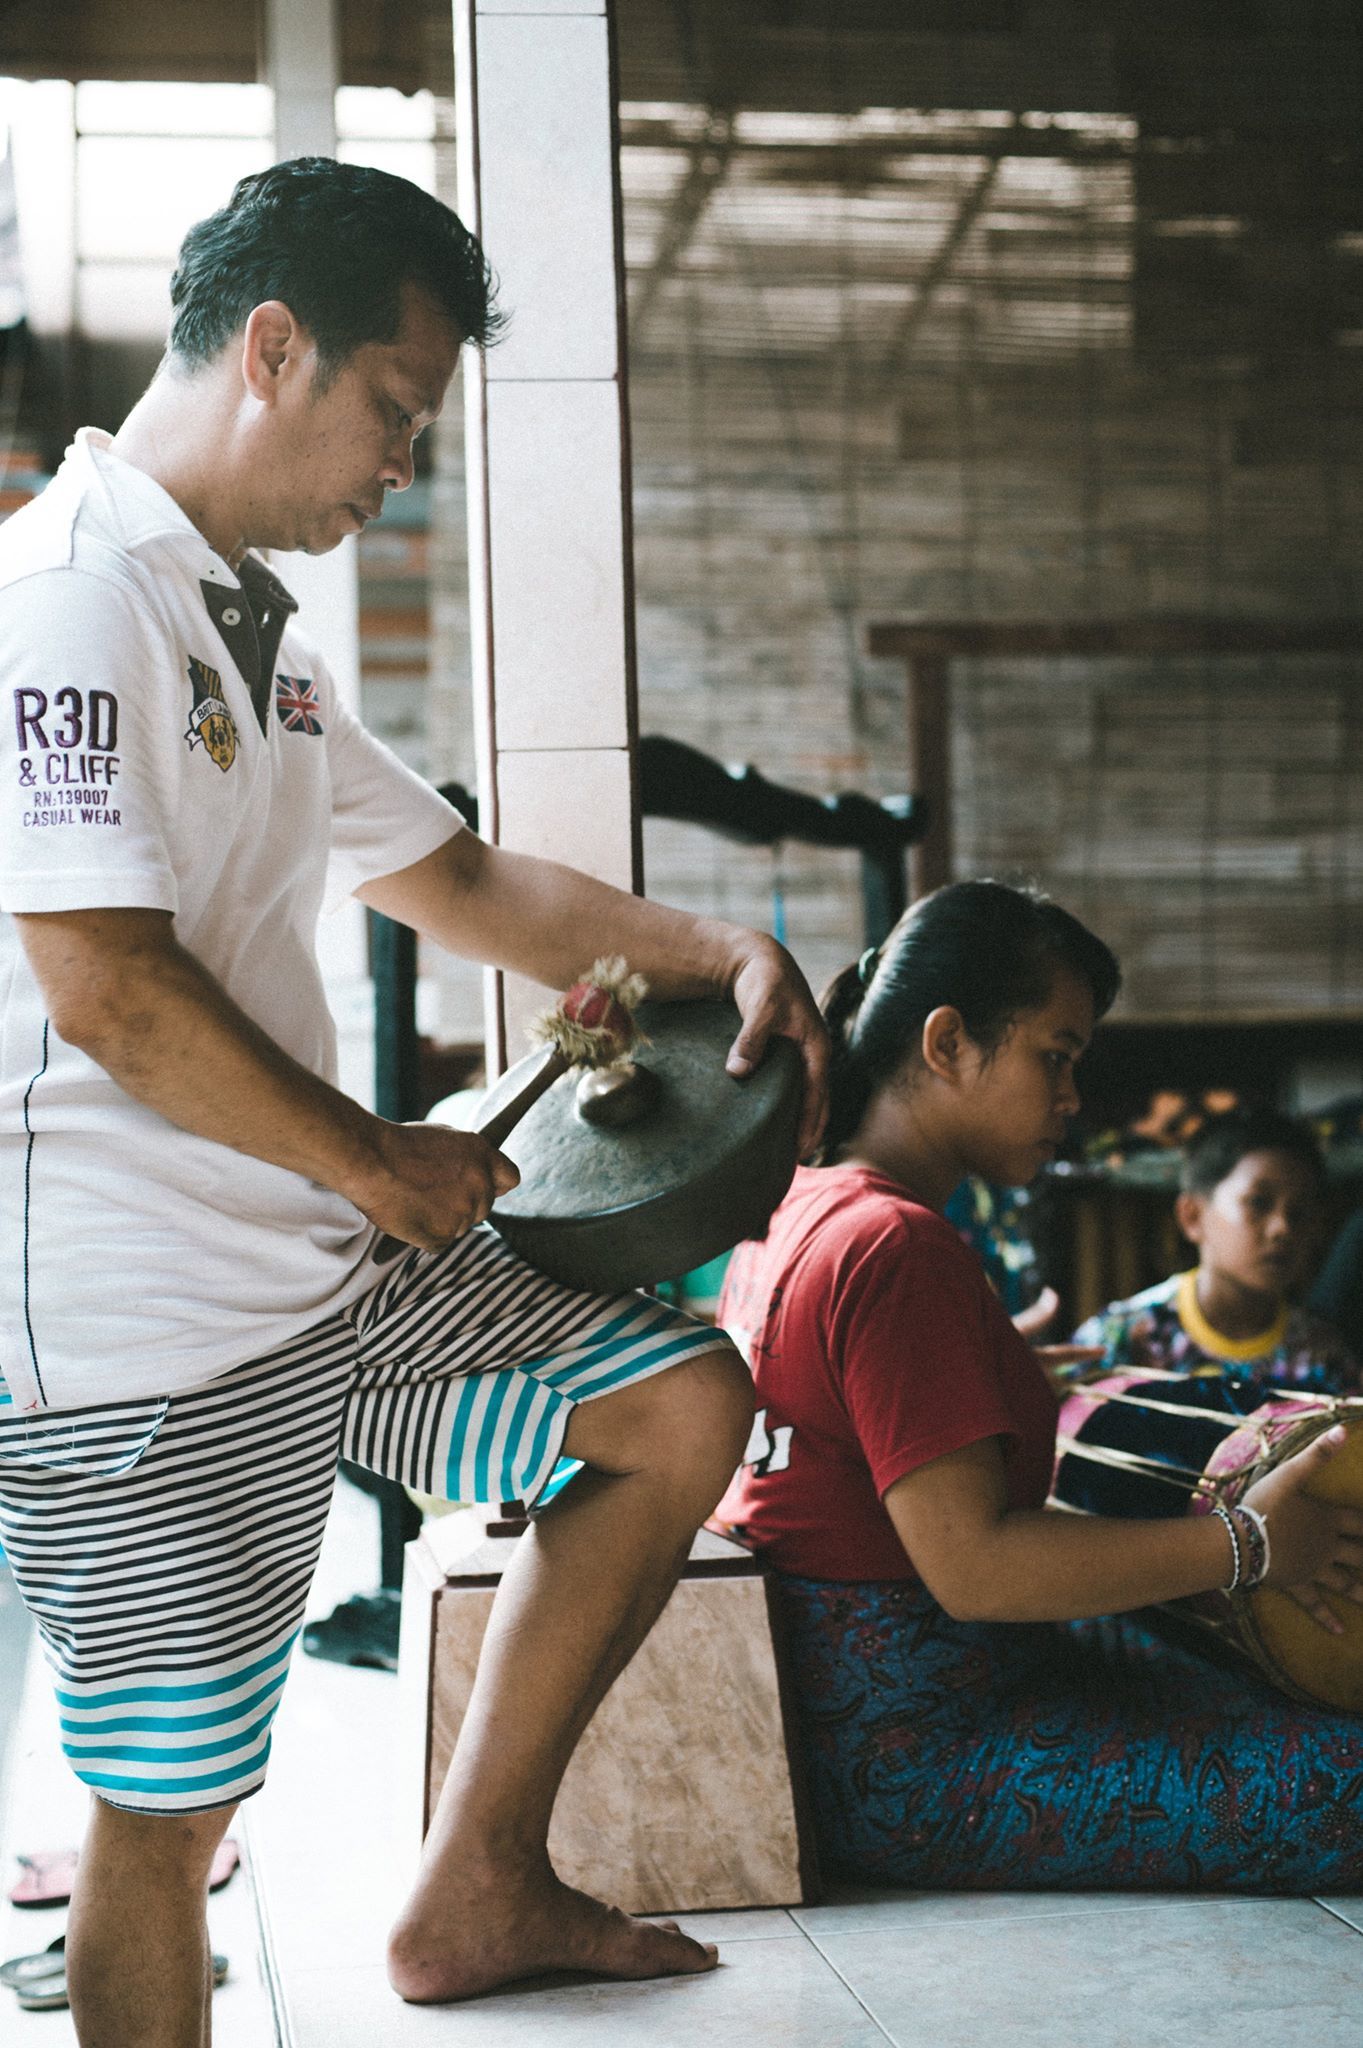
{"x":1145,"y":1444}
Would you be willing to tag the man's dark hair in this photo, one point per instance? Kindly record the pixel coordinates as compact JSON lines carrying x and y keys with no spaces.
{"x":1214,"y":1152}
{"x":336,"y":243}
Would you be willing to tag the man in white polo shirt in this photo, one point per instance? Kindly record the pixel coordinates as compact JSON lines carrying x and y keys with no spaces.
{"x":195,"y":1305}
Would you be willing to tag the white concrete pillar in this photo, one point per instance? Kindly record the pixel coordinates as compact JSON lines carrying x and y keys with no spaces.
{"x":302,"y":67}
{"x":43,"y":141}
{"x":547,"y":442}
{"x":303,"y":70}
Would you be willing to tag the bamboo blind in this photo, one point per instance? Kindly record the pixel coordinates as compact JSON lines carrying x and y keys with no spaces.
{"x":1077,"y":342}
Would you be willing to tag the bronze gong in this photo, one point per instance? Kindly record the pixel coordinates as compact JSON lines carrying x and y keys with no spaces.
{"x":630,"y":1176}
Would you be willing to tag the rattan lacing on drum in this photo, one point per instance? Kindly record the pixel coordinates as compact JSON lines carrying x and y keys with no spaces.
{"x":1163,"y":1469}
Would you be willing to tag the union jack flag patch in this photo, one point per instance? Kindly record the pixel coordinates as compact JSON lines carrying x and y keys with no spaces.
{"x":296,"y":702}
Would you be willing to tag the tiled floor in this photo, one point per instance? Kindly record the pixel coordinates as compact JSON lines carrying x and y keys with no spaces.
{"x":334,"y":1840}
{"x":1278,"y":1975}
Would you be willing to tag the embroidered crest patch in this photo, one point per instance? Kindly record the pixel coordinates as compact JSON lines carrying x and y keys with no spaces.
{"x":211,"y":724}
{"x":296,"y":702}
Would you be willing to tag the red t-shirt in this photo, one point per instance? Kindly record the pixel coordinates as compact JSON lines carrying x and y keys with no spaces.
{"x":876,"y":1344}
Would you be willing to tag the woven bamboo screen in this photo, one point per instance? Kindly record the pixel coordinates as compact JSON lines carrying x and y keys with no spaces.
{"x":1000,"y":312}
{"x":1207,"y":812}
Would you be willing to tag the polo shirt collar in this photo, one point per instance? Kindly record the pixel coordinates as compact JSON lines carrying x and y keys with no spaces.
{"x":252,"y":630}
{"x":146,"y":513}
{"x":143,"y":509}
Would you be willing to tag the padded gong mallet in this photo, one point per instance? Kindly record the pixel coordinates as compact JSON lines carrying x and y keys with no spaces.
{"x":591,"y":1026}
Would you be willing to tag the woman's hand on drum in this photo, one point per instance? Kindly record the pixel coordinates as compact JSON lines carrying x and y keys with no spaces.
{"x":1316,"y":1547}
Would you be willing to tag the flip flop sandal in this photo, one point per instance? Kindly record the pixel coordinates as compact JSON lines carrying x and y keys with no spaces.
{"x":47,"y":1878}
{"x":48,"y":1874}
{"x":39,"y":1982}
{"x":27,"y":1972}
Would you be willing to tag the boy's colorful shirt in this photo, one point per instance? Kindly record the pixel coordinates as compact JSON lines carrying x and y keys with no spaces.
{"x":1164,"y":1328}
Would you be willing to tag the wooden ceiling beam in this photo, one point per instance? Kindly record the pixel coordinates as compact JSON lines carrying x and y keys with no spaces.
{"x":1029,"y":638}
{"x":382,"y":42}
{"x":183,"y":40}
{"x":839,"y":59}
{"x":925,"y":288}
{"x":684,"y":214}
{"x":872,"y":159}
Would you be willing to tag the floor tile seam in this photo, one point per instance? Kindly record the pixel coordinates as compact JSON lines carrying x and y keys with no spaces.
{"x":587,"y":1982}
{"x":794,"y":1924}
{"x":733,"y":1940}
{"x":1337,"y":1916}
{"x":851,"y":1988}
{"x":376,"y":1964}
{"x":374,"y":1968}
{"x":268,"y":1959}
{"x":954,"y":1926}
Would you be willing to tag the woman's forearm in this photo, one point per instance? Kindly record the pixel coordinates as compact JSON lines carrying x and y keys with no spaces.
{"x":987,"y":1561}
{"x":1050,"y":1565}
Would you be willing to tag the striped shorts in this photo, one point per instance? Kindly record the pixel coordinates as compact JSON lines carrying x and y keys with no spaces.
{"x":165,"y":1546}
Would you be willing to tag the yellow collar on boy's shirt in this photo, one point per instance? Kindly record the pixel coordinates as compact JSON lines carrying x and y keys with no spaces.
{"x":1236,"y":1349}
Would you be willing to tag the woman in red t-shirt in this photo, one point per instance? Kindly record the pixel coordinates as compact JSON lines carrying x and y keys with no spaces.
{"x":964,"y":1726}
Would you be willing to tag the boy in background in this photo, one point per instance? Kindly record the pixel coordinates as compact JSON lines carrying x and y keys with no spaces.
{"x":1251,"y":1202}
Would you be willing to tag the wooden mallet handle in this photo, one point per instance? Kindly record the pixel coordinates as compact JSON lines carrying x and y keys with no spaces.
{"x":591,"y":1026}
{"x":498,"y":1128}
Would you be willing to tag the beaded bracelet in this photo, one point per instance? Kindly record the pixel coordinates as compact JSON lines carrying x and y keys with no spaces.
{"x":1223,"y":1514}
{"x":1255,"y":1531}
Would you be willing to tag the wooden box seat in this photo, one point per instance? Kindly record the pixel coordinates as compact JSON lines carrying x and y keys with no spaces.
{"x":681,"y":1796}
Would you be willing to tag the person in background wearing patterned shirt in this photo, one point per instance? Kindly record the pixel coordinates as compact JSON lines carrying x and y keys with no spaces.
{"x":1251,"y":1203}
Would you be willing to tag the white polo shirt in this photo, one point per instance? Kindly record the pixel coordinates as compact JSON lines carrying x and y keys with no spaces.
{"x":168,"y":742}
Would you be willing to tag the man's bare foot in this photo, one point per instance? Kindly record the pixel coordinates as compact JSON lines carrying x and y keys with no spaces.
{"x":512,"y":1925}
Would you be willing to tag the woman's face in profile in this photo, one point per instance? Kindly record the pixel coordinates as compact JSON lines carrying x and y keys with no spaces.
{"x":1016,"y":1101}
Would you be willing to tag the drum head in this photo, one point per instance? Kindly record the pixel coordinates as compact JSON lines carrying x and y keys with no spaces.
{"x":609,"y":1208}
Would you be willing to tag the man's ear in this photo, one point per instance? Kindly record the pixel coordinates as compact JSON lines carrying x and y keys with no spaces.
{"x":1188,"y":1212}
{"x":944,"y":1042}
{"x":273,"y":344}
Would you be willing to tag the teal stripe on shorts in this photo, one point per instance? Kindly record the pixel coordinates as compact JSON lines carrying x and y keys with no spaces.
{"x":186,"y":1789}
{"x":190,"y":1753}
{"x":165,"y":1549}
{"x":459,"y":1423}
{"x":671,"y":1352}
{"x":150,"y":1724}
{"x":211,"y":1688}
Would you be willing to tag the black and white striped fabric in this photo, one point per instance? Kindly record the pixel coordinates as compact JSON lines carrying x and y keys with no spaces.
{"x":165,"y":1547}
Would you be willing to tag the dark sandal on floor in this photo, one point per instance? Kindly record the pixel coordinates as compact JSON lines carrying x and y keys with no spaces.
{"x":23,"y":1973}
{"x":39,"y":1981}
{"x":362,"y":1630}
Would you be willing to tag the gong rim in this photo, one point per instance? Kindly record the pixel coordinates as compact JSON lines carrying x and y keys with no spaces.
{"x":588,"y":1254}
{"x":674,"y":1224}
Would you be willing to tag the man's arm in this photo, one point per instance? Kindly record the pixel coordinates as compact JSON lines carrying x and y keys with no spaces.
{"x":119,"y":986}
{"x":550,"y":922}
